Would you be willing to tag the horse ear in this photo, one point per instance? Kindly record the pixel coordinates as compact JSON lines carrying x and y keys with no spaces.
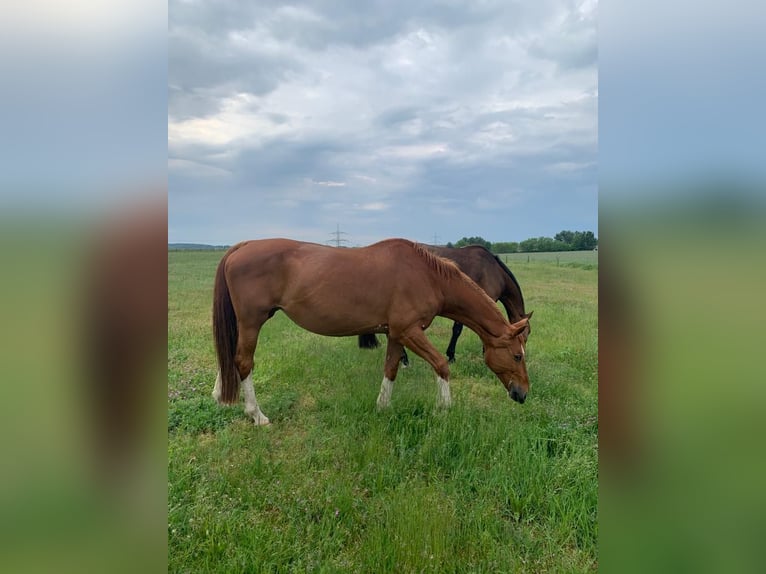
{"x":519,"y":326}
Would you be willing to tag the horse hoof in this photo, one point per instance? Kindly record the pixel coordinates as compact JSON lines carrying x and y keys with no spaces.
{"x":259,"y":419}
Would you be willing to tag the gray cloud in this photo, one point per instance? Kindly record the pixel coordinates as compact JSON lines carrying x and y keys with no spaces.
{"x":391,"y":119}
{"x":571,"y":43}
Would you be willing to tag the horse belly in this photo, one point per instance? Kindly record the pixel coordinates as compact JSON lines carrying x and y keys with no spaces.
{"x":335,"y":324}
{"x":329,"y":299}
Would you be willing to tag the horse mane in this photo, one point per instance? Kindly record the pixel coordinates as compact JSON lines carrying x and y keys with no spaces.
{"x":450,"y":270}
{"x":512,"y":276}
{"x":446,"y":268}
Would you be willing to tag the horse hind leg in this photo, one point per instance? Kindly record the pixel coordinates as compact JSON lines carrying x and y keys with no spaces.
{"x":246,"y":344}
{"x":457,"y":328}
{"x":252,"y":409}
{"x":217,"y":388}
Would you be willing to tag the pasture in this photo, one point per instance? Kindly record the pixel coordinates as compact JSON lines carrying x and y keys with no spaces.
{"x":335,"y":486}
{"x":583,"y":259}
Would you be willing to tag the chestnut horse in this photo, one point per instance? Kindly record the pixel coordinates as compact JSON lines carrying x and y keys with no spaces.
{"x":489,"y":273}
{"x":394,"y":287}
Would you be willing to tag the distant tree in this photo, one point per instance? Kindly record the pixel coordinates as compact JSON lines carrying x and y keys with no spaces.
{"x":585,"y":241}
{"x":505,"y":247}
{"x":450,"y":244}
{"x":530,"y":245}
{"x":563,"y":241}
{"x":577,"y":240}
{"x":473,"y":241}
{"x":542,"y":244}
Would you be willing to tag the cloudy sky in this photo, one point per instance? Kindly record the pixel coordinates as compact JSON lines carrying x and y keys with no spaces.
{"x":425,"y":120}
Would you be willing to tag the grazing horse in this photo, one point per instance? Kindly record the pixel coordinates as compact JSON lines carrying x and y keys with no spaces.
{"x":394,"y":287}
{"x":491,"y":274}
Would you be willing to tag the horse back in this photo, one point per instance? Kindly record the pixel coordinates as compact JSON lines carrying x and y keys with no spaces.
{"x":329,"y":290}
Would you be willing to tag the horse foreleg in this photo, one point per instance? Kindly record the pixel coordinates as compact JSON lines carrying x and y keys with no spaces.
{"x":416,"y":340}
{"x":457,"y":328}
{"x":394,"y":352}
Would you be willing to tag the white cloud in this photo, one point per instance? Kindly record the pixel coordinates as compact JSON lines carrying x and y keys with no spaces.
{"x":236,"y":122}
{"x":415,"y":152}
{"x":570,"y":166}
{"x":375,"y":206}
{"x":329,"y":183}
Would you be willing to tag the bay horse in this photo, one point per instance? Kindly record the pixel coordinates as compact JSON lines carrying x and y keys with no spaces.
{"x":395,"y":287}
{"x":489,"y":273}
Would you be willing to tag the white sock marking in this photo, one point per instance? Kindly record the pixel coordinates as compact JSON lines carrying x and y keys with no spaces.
{"x":251,"y":405}
{"x":445,"y":399}
{"x":217,"y":388}
{"x":384,"y":398}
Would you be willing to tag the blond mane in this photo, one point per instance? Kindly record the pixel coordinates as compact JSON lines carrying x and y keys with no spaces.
{"x":449,"y":270}
{"x":446,"y":268}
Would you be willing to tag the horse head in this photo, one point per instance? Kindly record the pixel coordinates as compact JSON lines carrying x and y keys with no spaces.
{"x":506,"y":359}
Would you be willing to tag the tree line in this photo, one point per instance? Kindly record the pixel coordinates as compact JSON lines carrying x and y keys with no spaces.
{"x":563,"y":241}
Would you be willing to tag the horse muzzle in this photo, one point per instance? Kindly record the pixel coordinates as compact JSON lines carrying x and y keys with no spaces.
{"x":517,"y":395}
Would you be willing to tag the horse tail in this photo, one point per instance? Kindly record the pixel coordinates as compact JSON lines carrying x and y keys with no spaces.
{"x":368,"y":341}
{"x":225,"y":333}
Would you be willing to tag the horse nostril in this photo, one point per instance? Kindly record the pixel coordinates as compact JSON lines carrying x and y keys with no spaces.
{"x":517,"y":396}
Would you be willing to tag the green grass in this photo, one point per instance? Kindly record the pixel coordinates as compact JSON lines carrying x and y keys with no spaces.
{"x":581,"y":259}
{"x":334,"y":486}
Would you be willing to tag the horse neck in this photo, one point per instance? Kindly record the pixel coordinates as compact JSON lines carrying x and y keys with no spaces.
{"x":468,"y":305}
{"x":512,"y":300}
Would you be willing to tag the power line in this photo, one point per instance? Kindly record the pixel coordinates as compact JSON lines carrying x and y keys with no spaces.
{"x":338,"y":239}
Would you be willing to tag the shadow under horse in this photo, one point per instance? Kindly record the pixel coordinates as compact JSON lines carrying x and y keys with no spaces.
{"x":395,"y":287}
{"x":491,"y":274}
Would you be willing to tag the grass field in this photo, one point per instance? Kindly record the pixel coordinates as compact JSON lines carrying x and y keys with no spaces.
{"x":335,"y":486}
{"x":582,"y":259}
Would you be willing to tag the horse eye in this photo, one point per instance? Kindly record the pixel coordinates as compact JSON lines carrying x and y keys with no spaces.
{"x":518,"y":358}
